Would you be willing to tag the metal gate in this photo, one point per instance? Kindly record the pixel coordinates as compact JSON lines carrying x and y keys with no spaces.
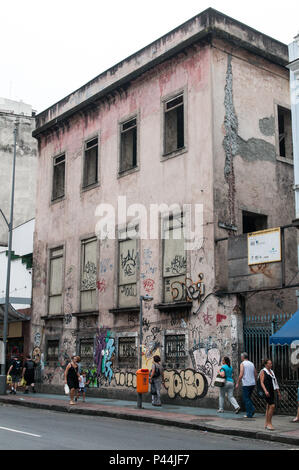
{"x":257,"y":332}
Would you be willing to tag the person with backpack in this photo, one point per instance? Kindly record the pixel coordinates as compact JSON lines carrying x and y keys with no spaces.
{"x":15,"y":372}
{"x":28,"y":374}
{"x":156,"y":380}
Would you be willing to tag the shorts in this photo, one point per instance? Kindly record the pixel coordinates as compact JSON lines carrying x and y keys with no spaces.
{"x":15,"y":379}
{"x":82,"y":389}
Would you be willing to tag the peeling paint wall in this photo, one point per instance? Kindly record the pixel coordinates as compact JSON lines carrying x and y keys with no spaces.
{"x":248,"y":175}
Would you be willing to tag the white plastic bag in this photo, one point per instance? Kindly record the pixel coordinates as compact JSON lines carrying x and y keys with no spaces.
{"x":66,"y":389}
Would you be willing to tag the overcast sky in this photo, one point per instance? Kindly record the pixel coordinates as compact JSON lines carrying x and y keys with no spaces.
{"x":51,"y":48}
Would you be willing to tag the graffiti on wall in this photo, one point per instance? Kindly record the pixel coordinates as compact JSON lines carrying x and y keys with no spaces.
{"x":185,"y":384}
{"x":207,"y":361}
{"x":104,"y":353}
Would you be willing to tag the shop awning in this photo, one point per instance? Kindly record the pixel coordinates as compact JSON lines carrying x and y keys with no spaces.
{"x":288,"y":332}
{"x":13,"y":315}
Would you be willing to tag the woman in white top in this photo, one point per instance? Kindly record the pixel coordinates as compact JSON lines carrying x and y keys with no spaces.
{"x":269,"y":385}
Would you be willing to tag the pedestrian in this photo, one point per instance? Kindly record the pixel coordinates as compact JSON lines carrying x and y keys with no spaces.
{"x":296,"y":420}
{"x":226,"y":371}
{"x":156,"y":380}
{"x":248,"y":375}
{"x":28,"y":374}
{"x":15,"y":372}
{"x":78,"y":360}
{"x":82,"y":385}
{"x":71,"y":378}
{"x":269,"y":385}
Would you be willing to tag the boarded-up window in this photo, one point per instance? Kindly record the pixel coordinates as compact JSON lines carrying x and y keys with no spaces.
{"x":58,"y":177}
{"x":55,"y":284}
{"x":285,"y":133}
{"x":128,"y":150}
{"x":174,"y":259}
{"x":127,"y":353}
{"x":90,"y":173}
{"x":86,"y":352}
{"x":174,"y":125}
{"x":53,"y":350}
{"x":128,"y":262}
{"x":175,"y":347}
{"x":88,"y":274}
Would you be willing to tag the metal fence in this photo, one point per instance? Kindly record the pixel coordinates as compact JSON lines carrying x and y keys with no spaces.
{"x":257,"y":332}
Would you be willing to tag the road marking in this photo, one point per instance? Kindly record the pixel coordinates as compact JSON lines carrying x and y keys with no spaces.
{"x":20,"y":432}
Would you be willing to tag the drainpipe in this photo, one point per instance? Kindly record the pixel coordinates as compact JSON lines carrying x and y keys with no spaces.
{"x":294,"y":84}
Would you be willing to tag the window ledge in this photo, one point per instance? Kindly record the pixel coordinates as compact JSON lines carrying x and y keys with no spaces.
{"x":124,"y":310}
{"x":121,"y":174}
{"x":285,"y":160}
{"x":175,"y":153}
{"x":84,"y":189}
{"x":173,"y":306}
{"x":52,"y":317}
{"x":86,"y":314}
{"x":56,"y":201}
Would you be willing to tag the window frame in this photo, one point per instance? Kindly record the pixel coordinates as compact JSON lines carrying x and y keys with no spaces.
{"x":119,"y":240}
{"x":121,"y":131}
{"x":83,"y":241}
{"x":55,"y":165}
{"x":85,"y":187}
{"x":286,"y":107}
{"x":164,"y":100}
{"x":50,"y":258}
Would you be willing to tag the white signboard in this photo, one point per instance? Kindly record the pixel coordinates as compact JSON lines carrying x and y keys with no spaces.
{"x":264,"y":246}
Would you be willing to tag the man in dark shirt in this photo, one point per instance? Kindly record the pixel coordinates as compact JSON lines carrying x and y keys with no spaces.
{"x":28,"y":374}
{"x":15,"y":371}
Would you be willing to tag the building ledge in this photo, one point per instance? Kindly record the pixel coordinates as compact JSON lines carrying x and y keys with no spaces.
{"x":86,"y":314}
{"x":52,"y":317}
{"x":125,"y":310}
{"x":173,"y":306}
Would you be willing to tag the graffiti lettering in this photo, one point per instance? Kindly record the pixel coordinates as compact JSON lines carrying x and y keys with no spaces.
{"x":185,"y":384}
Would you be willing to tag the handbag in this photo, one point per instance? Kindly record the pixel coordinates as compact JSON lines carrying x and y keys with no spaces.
{"x":66,"y":389}
{"x":219,"y":381}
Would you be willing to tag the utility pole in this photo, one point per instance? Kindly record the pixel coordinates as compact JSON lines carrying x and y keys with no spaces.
{"x":10,"y":231}
{"x":294,"y":84}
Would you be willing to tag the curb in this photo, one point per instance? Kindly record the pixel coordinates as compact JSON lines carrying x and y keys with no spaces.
{"x":257,"y":435}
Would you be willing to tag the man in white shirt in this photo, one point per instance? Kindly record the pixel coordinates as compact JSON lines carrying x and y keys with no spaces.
{"x":248,"y":375}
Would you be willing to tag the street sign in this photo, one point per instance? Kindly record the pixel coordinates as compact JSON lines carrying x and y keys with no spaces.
{"x":264,"y":246}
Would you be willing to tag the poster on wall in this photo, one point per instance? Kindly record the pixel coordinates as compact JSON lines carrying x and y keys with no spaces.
{"x":264,"y":246}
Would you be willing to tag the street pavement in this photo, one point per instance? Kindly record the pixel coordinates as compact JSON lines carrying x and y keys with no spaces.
{"x":203,"y":419}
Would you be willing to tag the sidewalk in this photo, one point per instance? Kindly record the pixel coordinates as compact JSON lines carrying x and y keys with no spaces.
{"x":202,"y":419}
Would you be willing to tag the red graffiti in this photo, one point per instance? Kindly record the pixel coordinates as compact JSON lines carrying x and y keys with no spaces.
{"x":220,"y":317}
{"x":101,"y":285}
{"x":207,"y":318}
{"x":148,"y":285}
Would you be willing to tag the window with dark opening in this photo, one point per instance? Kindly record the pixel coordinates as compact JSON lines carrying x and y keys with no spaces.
{"x":128,"y":151}
{"x":58,"y":177}
{"x":254,"y":222}
{"x":53,"y":350}
{"x":127,"y":350}
{"x":174,"y":125}
{"x":285,"y":133}
{"x":86,"y":352}
{"x":175,"y":347}
{"x":90,"y":174}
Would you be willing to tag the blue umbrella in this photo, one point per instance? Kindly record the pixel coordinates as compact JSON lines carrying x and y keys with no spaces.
{"x":288,"y":332}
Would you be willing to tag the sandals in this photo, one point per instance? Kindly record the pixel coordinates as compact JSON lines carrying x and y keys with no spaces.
{"x":269,"y":429}
{"x":295,"y":420}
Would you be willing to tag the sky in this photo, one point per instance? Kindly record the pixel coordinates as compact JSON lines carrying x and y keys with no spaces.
{"x":51,"y":48}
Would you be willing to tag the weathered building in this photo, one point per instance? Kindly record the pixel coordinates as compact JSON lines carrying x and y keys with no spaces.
{"x":26,"y":164}
{"x":199,"y":117}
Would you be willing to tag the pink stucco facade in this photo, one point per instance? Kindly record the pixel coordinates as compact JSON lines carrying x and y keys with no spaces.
{"x":216,"y":79}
